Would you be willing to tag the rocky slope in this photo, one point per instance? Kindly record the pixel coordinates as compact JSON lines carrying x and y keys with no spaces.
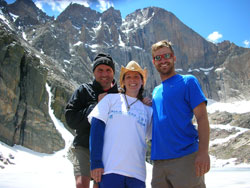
{"x":24,"y":100}
{"x":236,"y":126}
{"x":37,"y":49}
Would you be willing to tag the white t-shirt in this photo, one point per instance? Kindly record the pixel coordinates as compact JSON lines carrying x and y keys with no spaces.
{"x":125,"y":134}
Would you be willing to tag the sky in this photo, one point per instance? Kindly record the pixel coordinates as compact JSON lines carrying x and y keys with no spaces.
{"x":214,"y":20}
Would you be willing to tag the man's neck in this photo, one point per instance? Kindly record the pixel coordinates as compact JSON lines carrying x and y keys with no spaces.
{"x":165,"y":77}
{"x":108,"y":88}
{"x":105,"y":90}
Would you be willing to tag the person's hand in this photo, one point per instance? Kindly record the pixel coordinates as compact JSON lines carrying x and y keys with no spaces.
{"x":100,"y":96}
{"x":96,"y":174}
{"x":202,"y":163}
{"x":147,"y":101}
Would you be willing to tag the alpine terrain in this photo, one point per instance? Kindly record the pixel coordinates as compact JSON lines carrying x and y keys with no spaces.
{"x":38,"y":50}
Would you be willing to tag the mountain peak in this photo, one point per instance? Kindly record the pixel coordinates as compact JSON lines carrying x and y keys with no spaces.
{"x":78,"y":15}
{"x":19,"y":5}
{"x":28,"y":13}
{"x":30,"y":2}
{"x":3,"y":3}
{"x":112,"y":16}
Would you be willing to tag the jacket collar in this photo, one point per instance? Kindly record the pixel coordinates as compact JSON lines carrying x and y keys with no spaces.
{"x":97,"y":86}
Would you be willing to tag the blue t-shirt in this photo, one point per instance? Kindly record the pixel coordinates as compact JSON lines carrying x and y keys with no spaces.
{"x":174,"y":134}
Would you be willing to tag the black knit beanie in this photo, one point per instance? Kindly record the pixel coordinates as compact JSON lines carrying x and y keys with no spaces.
{"x":104,"y":59}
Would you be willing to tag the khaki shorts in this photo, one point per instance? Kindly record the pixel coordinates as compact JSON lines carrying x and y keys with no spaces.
{"x":178,"y":172}
{"x":79,"y":157}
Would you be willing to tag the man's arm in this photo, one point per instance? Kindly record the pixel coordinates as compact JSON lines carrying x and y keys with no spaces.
{"x":202,"y":162}
{"x":78,"y":108}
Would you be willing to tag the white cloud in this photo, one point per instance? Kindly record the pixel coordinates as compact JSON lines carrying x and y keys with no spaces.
{"x":84,"y":3}
{"x":246,"y":43}
{"x":104,"y":5}
{"x":214,"y":37}
{"x":39,"y":5}
{"x":59,"y":6}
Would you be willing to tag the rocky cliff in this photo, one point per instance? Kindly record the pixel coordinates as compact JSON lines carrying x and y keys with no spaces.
{"x":238,"y":127}
{"x":37,"y":49}
{"x":24,"y":100}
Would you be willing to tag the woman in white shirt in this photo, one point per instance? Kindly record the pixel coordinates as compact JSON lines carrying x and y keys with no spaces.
{"x":120,"y":124}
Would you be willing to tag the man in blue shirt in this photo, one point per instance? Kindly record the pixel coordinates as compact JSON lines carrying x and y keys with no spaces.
{"x":179,"y":149}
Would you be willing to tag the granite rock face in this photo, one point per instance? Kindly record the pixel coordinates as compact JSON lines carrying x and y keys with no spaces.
{"x":23,"y":99}
{"x":74,"y":38}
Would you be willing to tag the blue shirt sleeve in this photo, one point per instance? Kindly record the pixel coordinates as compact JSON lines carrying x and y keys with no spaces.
{"x":194,"y":92}
{"x":96,"y":143}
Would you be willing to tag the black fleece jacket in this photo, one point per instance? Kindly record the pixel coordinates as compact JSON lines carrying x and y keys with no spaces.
{"x":78,"y":108}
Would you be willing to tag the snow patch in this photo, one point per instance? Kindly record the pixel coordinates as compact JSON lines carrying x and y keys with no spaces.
{"x":226,"y":127}
{"x":235,"y":107}
{"x":24,"y":36}
{"x":78,"y":43}
{"x":6,"y":21}
{"x":14,"y":17}
{"x":121,"y":43}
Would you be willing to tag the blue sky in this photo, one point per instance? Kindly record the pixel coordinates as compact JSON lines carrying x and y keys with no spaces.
{"x":215,"y":20}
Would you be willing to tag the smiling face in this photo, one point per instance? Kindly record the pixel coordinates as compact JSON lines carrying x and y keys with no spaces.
{"x":133,"y":82}
{"x":165,"y":66}
{"x":104,"y":75}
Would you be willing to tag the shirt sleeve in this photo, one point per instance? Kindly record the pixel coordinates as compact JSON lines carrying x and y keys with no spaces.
{"x":194,"y":92}
{"x":96,"y":143}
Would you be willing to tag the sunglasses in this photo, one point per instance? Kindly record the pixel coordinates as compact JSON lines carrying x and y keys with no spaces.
{"x":165,"y":56}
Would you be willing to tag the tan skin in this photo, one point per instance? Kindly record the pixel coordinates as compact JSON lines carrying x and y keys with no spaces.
{"x":133,"y":82}
{"x":104,"y":75}
{"x":165,"y":66}
{"x":202,"y":161}
{"x":166,"y":69}
{"x":83,"y":182}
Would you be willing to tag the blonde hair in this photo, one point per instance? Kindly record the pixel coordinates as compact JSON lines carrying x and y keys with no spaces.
{"x":161,"y":44}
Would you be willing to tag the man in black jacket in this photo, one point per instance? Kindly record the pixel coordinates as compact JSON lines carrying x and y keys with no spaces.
{"x":78,"y":108}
